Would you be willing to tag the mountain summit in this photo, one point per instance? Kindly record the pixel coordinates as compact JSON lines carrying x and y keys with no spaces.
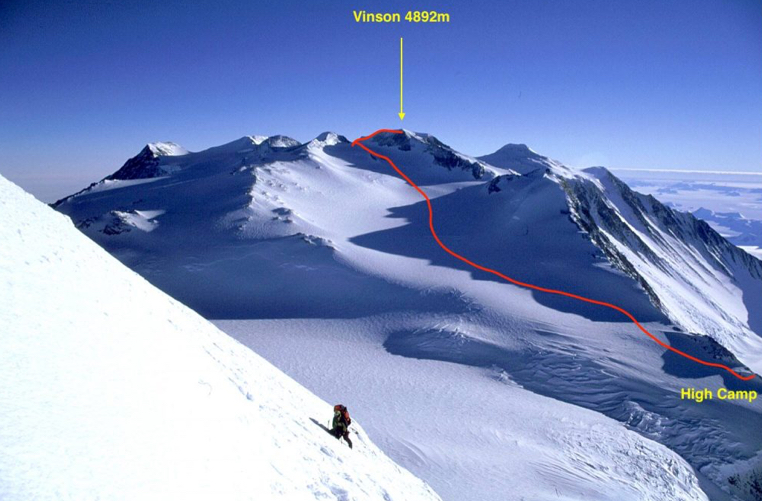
{"x":520,"y":158}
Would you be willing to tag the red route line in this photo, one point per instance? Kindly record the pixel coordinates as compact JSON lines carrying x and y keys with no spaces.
{"x":358,"y":142}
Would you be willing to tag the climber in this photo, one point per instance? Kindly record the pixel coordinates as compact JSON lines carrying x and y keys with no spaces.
{"x":341,"y":422}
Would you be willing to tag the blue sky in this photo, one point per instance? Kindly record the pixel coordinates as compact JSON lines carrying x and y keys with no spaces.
{"x":635,"y":84}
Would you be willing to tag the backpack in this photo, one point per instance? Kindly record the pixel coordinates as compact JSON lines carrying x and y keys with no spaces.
{"x":344,"y":413}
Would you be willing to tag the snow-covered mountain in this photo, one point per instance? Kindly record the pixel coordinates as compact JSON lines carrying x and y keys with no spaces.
{"x":248,"y":190}
{"x":268,"y":228}
{"x":700,"y":281}
{"x":113,"y":390}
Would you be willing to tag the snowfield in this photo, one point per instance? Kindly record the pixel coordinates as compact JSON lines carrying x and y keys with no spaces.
{"x":474,"y":433}
{"x":113,"y":390}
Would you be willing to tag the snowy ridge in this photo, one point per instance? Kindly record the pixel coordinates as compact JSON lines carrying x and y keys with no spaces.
{"x":442,"y":155}
{"x":116,"y":391}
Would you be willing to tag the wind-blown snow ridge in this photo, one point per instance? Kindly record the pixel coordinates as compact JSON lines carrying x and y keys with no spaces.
{"x":358,"y":142}
{"x":113,"y":390}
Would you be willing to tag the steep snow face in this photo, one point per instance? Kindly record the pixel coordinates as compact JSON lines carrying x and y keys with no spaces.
{"x":113,"y":390}
{"x":697,"y":278}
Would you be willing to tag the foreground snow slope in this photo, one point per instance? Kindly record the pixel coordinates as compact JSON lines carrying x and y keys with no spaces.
{"x":112,"y":390}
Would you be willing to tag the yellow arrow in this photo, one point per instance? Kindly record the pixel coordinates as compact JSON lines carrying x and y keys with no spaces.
{"x":401,"y":113}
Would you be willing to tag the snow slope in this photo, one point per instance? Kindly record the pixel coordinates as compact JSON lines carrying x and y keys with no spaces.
{"x":266,"y":228}
{"x":113,"y":390}
{"x":510,"y":444}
